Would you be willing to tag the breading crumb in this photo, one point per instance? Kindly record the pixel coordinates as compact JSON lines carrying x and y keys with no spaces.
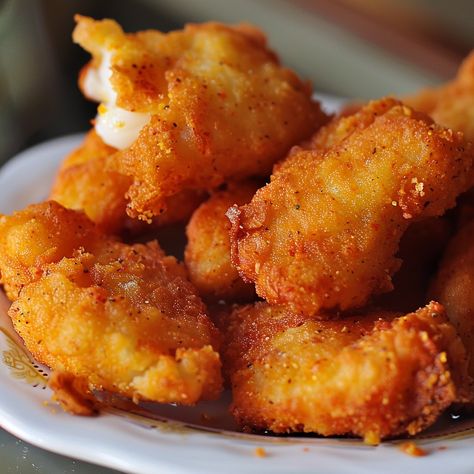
{"x":72,"y":393}
{"x":371,"y":438}
{"x":260,"y":452}
{"x":412,"y":449}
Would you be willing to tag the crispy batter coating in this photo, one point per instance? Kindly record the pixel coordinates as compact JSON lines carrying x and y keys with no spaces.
{"x":451,"y":105}
{"x":85,"y":183}
{"x":207,"y":254}
{"x":92,"y":148}
{"x":122,"y":317}
{"x":454,"y":287}
{"x":370,"y":375}
{"x":37,"y":236}
{"x":221,"y":106}
{"x":324,"y":233}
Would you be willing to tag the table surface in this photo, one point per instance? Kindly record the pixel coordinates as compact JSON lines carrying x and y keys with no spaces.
{"x":19,"y":457}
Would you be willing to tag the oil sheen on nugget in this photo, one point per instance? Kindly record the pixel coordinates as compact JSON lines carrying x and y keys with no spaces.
{"x":374,"y":375}
{"x":323,"y":234}
{"x":191,"y":108}
{"x":121,"y":317}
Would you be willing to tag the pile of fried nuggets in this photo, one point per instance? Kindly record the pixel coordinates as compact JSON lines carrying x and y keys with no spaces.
{"x":303,"y":293}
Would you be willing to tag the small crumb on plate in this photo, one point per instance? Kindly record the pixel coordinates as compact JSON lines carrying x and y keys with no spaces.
{"x":260,"y":452}
{"x":412,"y":449}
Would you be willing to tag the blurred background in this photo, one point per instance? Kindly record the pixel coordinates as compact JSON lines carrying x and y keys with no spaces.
{"x":350,"y":48}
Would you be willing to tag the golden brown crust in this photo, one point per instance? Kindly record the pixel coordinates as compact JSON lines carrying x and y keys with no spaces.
{"x":121,"y":317}
{"x":207,"y":253}
{"x":324,"y":232}
{"x":374,"y":375}
{"x":39,"y":235}
{"x":221,"y":106}
{"x":85,"y":183}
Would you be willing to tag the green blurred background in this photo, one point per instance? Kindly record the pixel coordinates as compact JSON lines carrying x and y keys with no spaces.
{"x":349,"y":48}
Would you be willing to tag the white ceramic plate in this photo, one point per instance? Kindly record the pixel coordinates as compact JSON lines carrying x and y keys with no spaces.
{"x":167,"y":439}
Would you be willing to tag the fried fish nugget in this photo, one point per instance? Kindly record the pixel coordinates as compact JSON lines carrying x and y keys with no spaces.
{"x":191,"y":108}
{"x":84,"y":183}
{"x":374,"y":375}
{"x":121,"y":317}
{"x":323,"y":234}
{"x":454,"y":287}
{"x":451,"y":105}
{"x":39,"y":235}
{"x":207,"y":254}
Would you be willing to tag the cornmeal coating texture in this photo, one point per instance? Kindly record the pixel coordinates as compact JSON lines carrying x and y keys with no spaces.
{"x":451,"y":105}
{"x":37,"y":236}
{"x":323,"y":234}
{"x":454,"y":287}
{"x":221,"y":106}
{"x":85,"y":183}
{"x":207,"y":254}
{"x":121,"y":317}
{"x":374,"y":375}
